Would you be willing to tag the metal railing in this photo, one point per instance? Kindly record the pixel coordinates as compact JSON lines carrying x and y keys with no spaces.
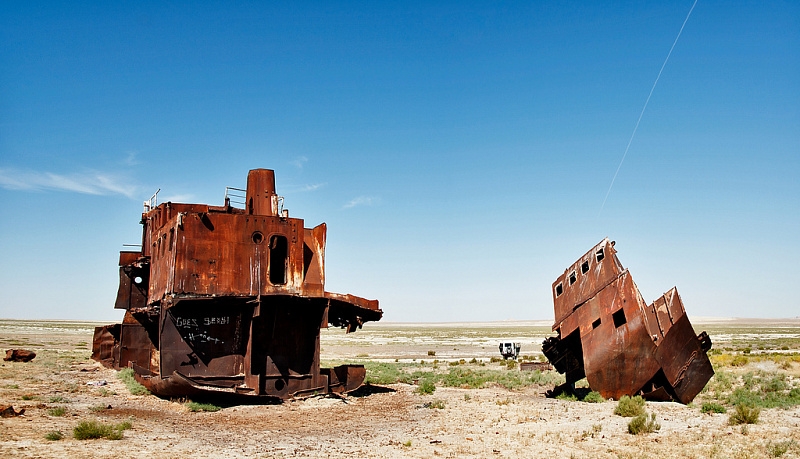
{"x":235,"y":196}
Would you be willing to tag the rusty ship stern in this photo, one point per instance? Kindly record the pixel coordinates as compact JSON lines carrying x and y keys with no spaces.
{"x":623,"y":346}
{"x":229,"y":302}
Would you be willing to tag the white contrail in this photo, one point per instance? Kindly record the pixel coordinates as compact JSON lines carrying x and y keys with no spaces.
{"x":645,"y":105}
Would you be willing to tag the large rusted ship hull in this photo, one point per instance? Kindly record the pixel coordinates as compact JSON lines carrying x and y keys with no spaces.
{"x":608,"y":334}
{"x":229,"y":302}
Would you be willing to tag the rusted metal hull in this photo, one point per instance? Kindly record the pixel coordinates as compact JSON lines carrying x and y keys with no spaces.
{"x":608,"y":334}
{"x":228,"y":302}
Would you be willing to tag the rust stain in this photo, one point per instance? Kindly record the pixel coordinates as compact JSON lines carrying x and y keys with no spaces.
{"x":229,"y":302}
{"x":621,"y":345}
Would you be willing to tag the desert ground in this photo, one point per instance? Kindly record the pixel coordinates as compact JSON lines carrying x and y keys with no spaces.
{"x":472,"y":406}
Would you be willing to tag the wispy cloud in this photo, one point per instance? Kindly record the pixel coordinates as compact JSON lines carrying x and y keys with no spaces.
{"x":303,"y":188}
{"x":177,"y":198}
{"x":299,"y":162}
{"x":313,"y":187}
{"x":89,"y":182}
{"x":361,"y":201}
{"x":131,"y":158}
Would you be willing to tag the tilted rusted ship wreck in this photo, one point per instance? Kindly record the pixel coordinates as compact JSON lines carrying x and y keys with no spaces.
{"x":223,"y":301}
{"x":608,"y":334}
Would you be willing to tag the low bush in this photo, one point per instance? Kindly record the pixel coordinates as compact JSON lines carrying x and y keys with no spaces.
{"x":436,"y":404}
{"x":567,"y":396}
{"x":780,"y":448}
{"x":57,"y":411}
{"x":196,"y":407}
{"x":88,"y":430}
{"x":744,"y":414}
{"x":594,"y":397}
{"x":739,"y":361}
{"x":426,"y":387}
{"x":711,"y":407}
{"x":54,"y":435}
{"x":457,"y":375}
{"x":641,"y":424}
{"x":629,"y":407}
{"x":126,"y":376}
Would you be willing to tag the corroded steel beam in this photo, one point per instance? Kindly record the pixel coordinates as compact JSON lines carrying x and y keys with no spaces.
{"x":623,"y":346}
{"x":223,"y":301}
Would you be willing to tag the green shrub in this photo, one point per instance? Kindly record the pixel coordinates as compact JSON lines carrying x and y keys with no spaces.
{"x":457,"y":375}
{"x":88,"y":430}
{"x":594,"y":397}
{"x":54,"y":435}
{"x":630,"y":406}
{"x":126,"y":376}
{"x":426,"y":387}
{"x":58,"y":399}
{"x":477,"y":378}
{"x":125,"y":425}
{"x":437,"y":404}
{"x":744,"y":414}
{"x":780,"y":448}
{"x":711,"y":407}
{"x":195,"y":407}
{"x":764,"y":390}
{"x":57,"y":411}
{"x":567,"y":396}
{"x":739,"y":361}
{"x":642,"y":425}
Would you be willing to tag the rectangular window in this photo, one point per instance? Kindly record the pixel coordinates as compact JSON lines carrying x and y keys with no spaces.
{"x":572,"y":278}
{"x":278,"y":259}
{"x":600,"y":255}
{"x":559,"y":290}
{"x":585,"y":267}
{"x":619,"y":318}
{"x":596,"y":324}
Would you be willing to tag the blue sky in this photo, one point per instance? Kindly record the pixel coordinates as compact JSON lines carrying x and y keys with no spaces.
{"x":459,"y":152}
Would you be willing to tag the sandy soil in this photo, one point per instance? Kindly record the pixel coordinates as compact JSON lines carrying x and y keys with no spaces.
{"x":387,"y":421}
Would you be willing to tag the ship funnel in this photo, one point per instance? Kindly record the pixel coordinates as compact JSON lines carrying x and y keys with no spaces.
{"x":261,"y":197}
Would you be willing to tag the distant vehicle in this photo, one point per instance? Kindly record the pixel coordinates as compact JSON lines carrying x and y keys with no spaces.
{"x":509,"y":350}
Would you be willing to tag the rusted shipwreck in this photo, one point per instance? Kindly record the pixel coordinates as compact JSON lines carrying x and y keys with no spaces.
{"x":229,"y":302}
{"x":608,"y":334}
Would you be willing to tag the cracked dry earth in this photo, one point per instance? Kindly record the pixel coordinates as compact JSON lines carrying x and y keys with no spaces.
{"x":384,"y":421}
